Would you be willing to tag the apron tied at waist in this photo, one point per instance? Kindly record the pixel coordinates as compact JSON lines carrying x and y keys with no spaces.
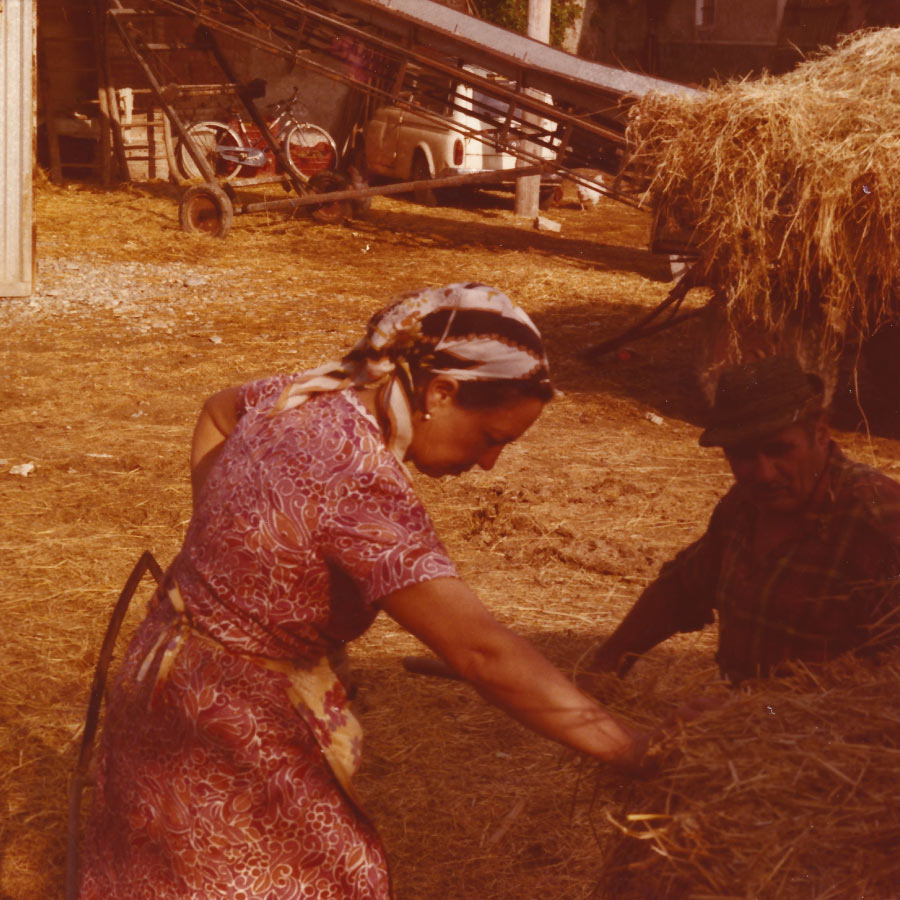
{"x":314,"y":691}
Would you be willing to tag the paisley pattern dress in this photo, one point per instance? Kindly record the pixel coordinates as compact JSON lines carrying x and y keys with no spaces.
{"x":228,"y":745}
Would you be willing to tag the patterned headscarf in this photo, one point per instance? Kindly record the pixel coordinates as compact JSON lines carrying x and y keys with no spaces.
{"x":471,"y":332}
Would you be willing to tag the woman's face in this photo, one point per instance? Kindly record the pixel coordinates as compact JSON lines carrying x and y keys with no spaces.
{"x":454,"y":439}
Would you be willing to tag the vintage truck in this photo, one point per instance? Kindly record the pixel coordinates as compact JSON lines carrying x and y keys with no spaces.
{"x":445,"y":139}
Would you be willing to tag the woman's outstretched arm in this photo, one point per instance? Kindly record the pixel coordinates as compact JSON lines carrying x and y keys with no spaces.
{"x":217,"y":420}
{"x":509,"y":672}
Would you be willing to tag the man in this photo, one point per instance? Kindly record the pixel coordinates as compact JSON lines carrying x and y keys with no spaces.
{"x":801,"y":558}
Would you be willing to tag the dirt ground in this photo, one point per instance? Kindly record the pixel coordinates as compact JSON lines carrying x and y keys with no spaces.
{"x":134,"y":323}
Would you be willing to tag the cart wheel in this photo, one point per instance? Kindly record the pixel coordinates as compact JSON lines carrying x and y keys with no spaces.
{"x":330,"y":213}
{"x":206,"y":209}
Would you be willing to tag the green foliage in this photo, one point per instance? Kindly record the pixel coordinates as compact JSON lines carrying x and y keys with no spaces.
{"x":513,"y":14}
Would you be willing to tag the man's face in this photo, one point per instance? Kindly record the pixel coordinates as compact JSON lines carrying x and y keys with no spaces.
{"x":780,"y":470}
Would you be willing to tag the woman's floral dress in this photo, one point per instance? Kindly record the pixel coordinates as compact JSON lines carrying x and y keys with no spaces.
{"x":228,"y":745}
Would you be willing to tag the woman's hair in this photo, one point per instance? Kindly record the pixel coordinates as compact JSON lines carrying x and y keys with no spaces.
{"x":486,"y":394}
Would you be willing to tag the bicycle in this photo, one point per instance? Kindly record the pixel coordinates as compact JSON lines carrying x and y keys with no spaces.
{"x":239,"y":148}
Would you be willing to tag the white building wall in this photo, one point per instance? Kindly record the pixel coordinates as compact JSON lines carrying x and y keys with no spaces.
{"x":17,"y":42}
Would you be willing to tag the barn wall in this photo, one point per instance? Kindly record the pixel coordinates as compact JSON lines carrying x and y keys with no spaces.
{"x":733,"y":21}
{"x":68,"y":48}
{"x":740,"y":37}
{"x":614,"y":32}
{"x":663,"y":37}
{"x":17,"y":41}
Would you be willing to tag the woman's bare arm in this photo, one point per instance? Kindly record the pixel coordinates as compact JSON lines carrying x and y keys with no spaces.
{"x":510,"y":673}
{"x":217,"y":420}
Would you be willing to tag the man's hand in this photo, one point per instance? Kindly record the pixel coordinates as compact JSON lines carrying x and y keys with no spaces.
{"x":605,"y":660}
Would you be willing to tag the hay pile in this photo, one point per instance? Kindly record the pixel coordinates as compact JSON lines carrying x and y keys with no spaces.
{"x":787,"y":791}
{"x":792,"y":184}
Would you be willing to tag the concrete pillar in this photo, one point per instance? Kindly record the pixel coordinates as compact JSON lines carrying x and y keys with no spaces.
{"x":528,"y":190}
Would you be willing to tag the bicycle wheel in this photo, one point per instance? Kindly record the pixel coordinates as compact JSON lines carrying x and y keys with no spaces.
{"x":207,"y":137}
{"x":310,"y":149}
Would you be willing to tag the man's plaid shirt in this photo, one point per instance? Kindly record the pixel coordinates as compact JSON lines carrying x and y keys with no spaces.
{"x":832,"y":587}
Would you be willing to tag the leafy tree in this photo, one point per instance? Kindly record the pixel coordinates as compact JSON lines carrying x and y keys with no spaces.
{"x":513,"y":14}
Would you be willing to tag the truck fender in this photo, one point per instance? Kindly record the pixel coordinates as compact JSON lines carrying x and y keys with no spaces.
{"x":425,"y":150}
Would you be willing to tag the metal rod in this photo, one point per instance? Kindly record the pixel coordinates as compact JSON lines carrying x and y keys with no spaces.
{"x":385,"y":190}
{"x":644,"y":328}
{"x":283,"y":8}
{"x":245,"y":95}
{"x":637,"y":334}
{"x":260,"y":180}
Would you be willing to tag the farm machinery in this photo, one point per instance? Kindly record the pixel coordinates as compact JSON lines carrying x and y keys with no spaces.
{"x":556,"y":113}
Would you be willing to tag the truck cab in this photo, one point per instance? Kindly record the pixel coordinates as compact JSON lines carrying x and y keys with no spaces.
{"x":443,"y":136}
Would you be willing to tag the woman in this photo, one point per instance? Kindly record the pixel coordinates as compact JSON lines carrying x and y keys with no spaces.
{"x":228,"y":746}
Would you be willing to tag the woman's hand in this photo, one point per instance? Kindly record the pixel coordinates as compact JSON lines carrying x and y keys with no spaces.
{"x":651,"y":749}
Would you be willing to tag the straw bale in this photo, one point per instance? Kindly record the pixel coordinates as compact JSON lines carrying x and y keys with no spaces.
{"x":790,"y":186}
{"x":785,"y":791}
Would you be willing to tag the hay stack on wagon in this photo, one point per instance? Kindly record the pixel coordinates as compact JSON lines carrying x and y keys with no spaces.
{"x":787,"y":792}
{"x":790,"y":186}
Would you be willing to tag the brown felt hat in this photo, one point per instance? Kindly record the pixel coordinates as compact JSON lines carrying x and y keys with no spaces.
{"x":759,"y":398}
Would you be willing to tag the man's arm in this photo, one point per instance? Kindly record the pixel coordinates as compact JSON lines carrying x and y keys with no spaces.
{"x":217,"y":420}
{"x":680,"y":599}
{"x":650,"y":621}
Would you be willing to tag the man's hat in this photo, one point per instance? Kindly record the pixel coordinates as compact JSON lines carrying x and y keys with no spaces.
{"x":759,"y":398}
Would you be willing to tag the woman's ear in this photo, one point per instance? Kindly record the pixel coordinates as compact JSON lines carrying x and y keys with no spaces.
{"x":441,"y":391}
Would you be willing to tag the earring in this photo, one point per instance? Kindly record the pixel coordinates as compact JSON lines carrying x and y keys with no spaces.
{"x":427,"y":416}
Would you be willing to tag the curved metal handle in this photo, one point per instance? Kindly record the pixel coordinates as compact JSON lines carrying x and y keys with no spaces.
{"x":80,"y":777}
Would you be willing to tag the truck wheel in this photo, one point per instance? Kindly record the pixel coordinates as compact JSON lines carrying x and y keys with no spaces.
{"x":206,"y":209}
{"x":420,"y":172}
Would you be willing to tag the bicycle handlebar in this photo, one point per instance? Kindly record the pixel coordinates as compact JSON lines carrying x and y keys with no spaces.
{"x":288,"y":104}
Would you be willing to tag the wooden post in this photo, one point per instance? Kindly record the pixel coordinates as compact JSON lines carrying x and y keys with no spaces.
{"x":528,"y":190}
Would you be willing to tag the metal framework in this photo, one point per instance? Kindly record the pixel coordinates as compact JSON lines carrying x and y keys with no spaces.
{"x":407,"y":53}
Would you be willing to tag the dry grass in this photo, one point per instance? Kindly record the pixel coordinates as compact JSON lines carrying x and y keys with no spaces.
{"x":558,"y":539}
{"x":779,"y":793}
{"x":791,"y":183}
